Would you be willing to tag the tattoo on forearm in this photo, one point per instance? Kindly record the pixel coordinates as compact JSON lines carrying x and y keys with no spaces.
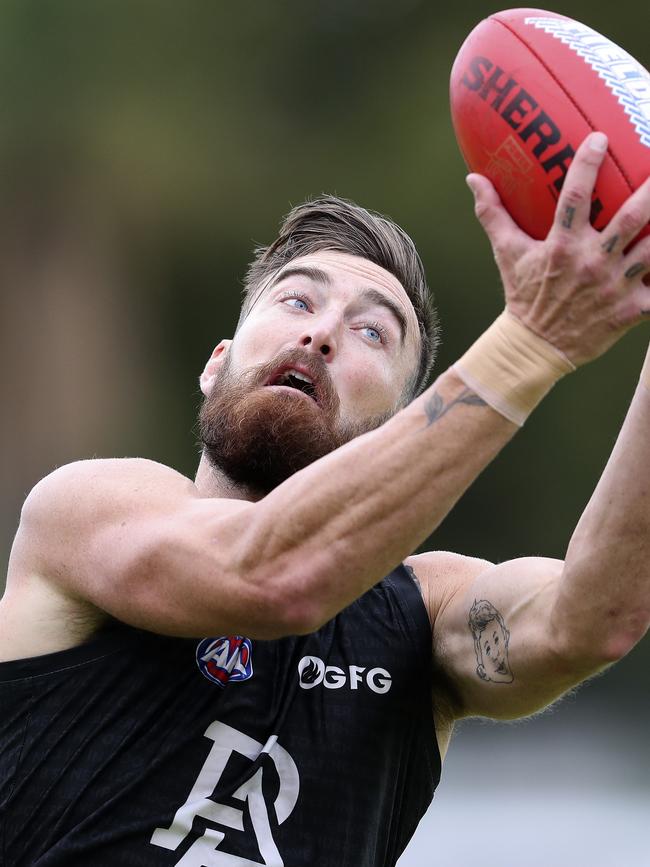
{"x":435,"y":407}
{"x":608,"y":246}
{"x":569,"y":214}
{"x":491,"y":639}
{"x":639,"y":268}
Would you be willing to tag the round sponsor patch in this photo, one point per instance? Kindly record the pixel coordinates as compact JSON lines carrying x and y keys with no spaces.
{"x":227,"y":659}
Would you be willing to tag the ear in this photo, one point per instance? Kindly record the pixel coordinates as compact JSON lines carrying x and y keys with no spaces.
{"x":213,"y":366}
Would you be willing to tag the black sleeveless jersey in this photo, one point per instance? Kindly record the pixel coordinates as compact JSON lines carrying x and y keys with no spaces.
{"x":138,"y":749}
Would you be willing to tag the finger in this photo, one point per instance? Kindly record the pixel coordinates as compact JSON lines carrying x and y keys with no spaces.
{"x":636,"y":264}
{"x":636,"y":270}
{"x":574,"y":205}
{"x":636,"y":308}
{"x":635,"y":302}
{"x":630,"y":219}
{"x":497,"y":223}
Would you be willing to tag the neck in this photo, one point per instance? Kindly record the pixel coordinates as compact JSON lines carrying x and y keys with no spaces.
{"x":211,"y":482}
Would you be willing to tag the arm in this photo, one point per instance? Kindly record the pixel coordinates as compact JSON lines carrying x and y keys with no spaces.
{"x":136,"y":540}
{"x":512,"y":638}
{"x":604,"y":595}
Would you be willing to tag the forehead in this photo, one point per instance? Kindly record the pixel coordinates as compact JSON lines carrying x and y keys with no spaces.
{"x":358,"y":274}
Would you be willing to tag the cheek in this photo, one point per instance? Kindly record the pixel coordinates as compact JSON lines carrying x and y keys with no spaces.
{"x":370,"y":387}
{"x":255,"y":342}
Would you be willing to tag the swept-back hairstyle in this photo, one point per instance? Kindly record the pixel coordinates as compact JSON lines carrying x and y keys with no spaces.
{"x":332,"y":223}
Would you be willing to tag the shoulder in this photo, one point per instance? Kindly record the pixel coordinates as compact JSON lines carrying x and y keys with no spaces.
{"x":90,"y":492}
{"x":67,"y":506}
{"x":446,"y":564}
{"x":43,"y":609}
{"x":97,"y":478}
{"x":443,"y":574}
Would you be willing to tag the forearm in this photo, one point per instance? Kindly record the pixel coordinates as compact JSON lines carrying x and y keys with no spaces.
{"x":604,"y":596}
{"x":338,"y":526}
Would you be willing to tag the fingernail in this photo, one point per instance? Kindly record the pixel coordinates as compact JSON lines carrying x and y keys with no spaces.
{"x":598,"y":142}
{"x":469,"y":180}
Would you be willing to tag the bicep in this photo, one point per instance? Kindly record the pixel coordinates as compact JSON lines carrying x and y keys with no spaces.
{"x":496,"y":639}
{"x":134,"y":539}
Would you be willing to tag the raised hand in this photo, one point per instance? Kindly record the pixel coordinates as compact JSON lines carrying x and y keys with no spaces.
{"x":579,"y":288}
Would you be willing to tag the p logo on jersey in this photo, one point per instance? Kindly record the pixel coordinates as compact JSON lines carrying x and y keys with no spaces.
{"x":226,"y":659}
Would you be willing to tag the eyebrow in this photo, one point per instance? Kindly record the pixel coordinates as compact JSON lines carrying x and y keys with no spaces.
{"x":315,"y":274}
{"x":372,"y":296}
{"x":375,"y":297}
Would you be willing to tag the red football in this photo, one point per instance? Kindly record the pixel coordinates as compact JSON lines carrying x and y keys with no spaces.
{"x":526,"y":87}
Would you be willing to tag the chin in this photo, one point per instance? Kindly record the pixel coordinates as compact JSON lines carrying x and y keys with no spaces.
{"x":261,"y":438}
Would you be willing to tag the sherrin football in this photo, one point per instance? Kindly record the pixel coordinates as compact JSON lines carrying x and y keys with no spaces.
{"x":527,"y":86}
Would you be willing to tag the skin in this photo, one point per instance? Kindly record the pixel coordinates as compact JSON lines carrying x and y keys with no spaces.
{"x":137,"y":541}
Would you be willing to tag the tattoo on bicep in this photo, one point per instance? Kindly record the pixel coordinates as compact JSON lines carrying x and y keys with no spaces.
{"x":491,"y":639}
{"x":569,"y":214}
{"x":635,"y":270}
{"x":608,"y":246}
{"x":435,"y":407}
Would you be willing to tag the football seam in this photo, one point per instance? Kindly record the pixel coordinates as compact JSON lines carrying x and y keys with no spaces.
{"x":580,"y":111}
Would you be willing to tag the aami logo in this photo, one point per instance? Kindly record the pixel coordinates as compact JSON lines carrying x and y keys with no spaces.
{"x":312,"y":672}
{"x":225,"y":660}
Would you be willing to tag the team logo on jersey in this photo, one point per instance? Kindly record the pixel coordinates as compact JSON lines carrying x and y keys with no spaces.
{"x":226,"y":659}
{"x":313,"y":672}
{"x":264,"y":797}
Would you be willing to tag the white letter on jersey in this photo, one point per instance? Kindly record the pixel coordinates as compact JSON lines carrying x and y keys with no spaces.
{"x":379,"y":680}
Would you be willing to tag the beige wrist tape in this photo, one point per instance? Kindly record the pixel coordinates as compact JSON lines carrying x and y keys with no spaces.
{"x":512,"y":368}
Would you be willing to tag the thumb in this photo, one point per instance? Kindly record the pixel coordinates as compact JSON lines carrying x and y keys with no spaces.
{"x":497,"y":223}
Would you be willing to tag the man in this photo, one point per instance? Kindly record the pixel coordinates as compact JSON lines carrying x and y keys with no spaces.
{"x":252,"y":668}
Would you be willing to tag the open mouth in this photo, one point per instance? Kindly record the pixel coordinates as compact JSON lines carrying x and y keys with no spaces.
{"x":292,"y":378}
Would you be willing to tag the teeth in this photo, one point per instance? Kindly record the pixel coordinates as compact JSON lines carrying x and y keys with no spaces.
{"x":297,"y":375}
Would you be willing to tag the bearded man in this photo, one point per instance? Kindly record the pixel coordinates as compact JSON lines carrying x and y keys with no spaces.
{"x":252,"y":668}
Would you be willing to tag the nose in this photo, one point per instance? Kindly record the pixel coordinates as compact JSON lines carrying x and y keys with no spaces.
{"x":320,"y":337}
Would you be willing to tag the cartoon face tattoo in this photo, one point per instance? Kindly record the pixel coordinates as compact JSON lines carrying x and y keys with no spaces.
{"x":491,"y":638}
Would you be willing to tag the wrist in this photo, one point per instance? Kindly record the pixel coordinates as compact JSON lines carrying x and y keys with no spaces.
{"x":512,"y":368}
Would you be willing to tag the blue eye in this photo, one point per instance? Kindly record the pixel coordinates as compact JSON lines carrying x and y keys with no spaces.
{"x":374,"y":333}
{"x":298,"y":302}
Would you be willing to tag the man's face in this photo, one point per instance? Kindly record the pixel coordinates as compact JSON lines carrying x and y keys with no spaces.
{"x":325,"y":353}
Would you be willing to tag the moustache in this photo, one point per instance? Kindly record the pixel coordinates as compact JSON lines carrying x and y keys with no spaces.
{"x":312,"y":364}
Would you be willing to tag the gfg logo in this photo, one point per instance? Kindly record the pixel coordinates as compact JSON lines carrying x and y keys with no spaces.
{"x":312,"y":672}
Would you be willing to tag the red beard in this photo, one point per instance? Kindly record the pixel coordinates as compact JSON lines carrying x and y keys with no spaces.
{"x":259,"y":436}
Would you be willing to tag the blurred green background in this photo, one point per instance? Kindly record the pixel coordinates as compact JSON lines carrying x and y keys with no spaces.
{"x":145,"y":147}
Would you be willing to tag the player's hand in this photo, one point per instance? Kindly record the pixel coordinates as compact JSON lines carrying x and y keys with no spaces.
{"x":578,"y":288}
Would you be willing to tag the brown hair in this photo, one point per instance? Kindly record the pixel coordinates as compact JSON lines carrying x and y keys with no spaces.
{"x":332,"y":223}
{"x":482,"y":613}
